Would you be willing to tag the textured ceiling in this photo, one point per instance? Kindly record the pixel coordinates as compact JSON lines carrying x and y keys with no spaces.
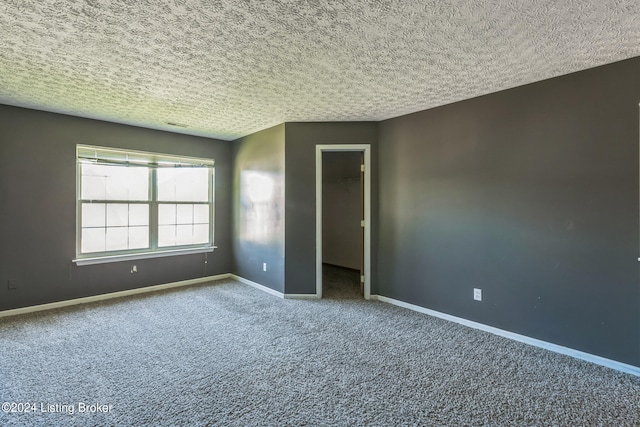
{"x":228,"y":68}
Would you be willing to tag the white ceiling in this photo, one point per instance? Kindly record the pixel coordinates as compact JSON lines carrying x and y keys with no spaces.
{"x":228,"y":68}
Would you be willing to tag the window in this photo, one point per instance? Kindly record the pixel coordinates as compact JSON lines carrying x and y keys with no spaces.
{"x":132,"y":204}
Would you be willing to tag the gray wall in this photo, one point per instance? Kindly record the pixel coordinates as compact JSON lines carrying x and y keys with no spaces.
{"x":259,"y":212}
{"x":341,"y":209}
{"x":300,"y":210}
{"x":38,"y":217}
{"x":530,"y":194}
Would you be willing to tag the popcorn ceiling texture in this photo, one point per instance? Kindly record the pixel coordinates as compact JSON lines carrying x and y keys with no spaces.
{"x":228,"y":68}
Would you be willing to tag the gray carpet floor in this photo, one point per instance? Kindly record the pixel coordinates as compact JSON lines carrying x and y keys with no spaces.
{"x":339,"y":283}
{"x":227,"y":354}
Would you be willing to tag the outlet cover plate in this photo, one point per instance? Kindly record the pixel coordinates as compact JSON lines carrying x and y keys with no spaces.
{"x":477,"y":294}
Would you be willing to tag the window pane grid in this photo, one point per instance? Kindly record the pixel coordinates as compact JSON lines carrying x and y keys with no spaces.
{"x":114,"y":227}
{"x":114,"y":182}
{"x":183,"y":184}
{"x":182,"y":224}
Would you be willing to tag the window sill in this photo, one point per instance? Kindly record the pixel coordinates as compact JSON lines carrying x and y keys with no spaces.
{"x":142,"y":255}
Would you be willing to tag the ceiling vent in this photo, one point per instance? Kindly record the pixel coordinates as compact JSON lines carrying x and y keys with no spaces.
{"x":180,"y":125}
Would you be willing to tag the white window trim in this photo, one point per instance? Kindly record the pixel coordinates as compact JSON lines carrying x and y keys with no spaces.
{"x":89,"y":259}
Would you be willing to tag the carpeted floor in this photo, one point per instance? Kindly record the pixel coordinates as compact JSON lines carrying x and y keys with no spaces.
{"x":340,"y":283}
{"x":228,"y":354}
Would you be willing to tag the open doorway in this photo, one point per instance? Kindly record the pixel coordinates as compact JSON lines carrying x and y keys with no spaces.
{"x":342,"y":236}
{"x":343,"y":210}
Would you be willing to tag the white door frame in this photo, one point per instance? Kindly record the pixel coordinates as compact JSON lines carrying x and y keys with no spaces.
{"x":366,"y":149}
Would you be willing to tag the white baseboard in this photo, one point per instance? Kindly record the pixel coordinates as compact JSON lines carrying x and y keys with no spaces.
{"x":618,"y":366}
{"x":120,"y":294}
{"x":257,"y":286}
{"x":301,"y":296}
{"x":271,"y":291}
{"x":111,"y":295}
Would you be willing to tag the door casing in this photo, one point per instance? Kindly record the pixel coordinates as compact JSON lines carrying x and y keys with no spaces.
{"x":366,"y":150}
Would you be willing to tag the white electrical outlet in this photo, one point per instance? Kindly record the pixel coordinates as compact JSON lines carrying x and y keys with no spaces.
{"x":134,"y":269}
{"x":264,"y":266}
{"x":477,"y":294}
